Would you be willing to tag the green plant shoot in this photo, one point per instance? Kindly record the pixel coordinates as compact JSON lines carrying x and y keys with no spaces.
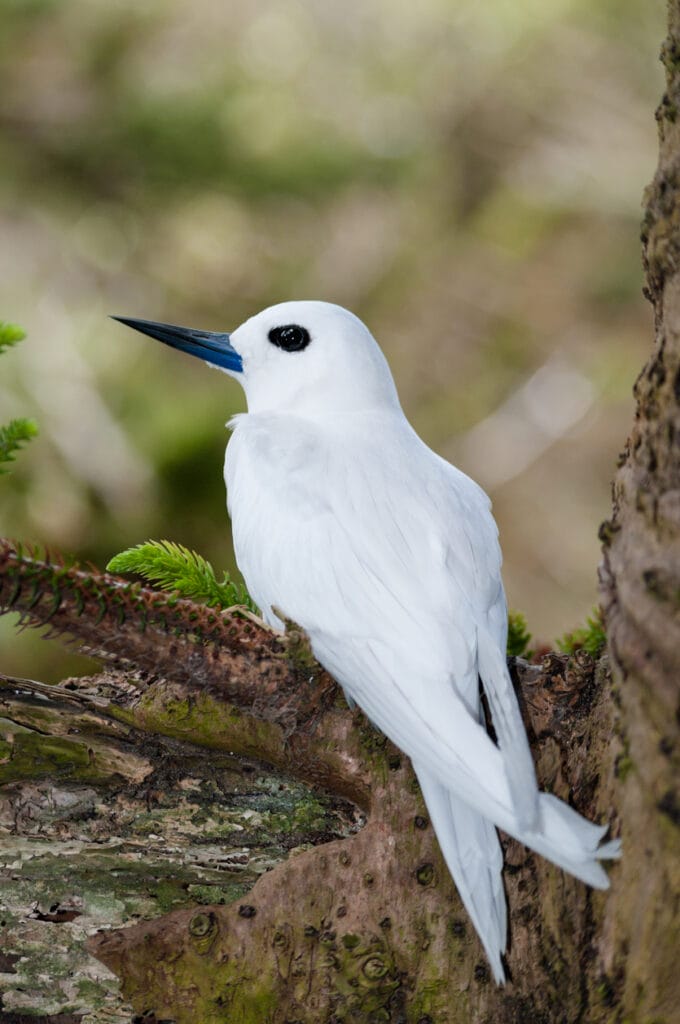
{"x":18,"y":431}
{"x":590,"y":638}
{"x":172,"y":567}
{"x":519,"y":636}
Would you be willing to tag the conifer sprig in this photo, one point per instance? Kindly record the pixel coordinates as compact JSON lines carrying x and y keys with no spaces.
{"x":175,"y":568}
{"x":12,"y":436}
{"x":18,"y":431}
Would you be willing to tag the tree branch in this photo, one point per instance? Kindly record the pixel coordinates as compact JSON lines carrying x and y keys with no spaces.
{"x":205,"y":664}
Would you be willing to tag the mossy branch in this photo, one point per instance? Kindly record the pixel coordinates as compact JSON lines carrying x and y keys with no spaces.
{"x":227,"y":653}
{"x":219,"y":679}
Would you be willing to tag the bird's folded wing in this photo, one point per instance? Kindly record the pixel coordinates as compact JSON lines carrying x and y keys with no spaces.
{"x":509,"y":727}
{"x":389,"y":558}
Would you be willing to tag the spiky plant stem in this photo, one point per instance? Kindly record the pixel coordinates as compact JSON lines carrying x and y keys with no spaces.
{"x":233,"y":655}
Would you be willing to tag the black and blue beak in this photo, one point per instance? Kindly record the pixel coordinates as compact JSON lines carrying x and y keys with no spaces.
{"x":210,"y":346}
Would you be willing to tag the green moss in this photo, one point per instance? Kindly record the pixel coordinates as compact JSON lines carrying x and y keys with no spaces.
{"x":201,"y":720}
{"x":372,"y":739}
{"x":177,"y":710}
{"x":519,"y":636}
{"x":34,"y":756}
{"x":170,"y":894}
{"x":590,"y":638}
{"x":670,"y":55}
{"x":119,"y":887}
{"x":217,"y":894}
{"x":298,"y":648}
{"x":92,"y":995}
{"x":624,"y":766}
{"x":309,"y":815}
{"x":218,"y":993}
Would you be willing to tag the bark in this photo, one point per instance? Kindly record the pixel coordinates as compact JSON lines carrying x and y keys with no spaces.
{"x":208,"y":819}
{"x":640,"y":585}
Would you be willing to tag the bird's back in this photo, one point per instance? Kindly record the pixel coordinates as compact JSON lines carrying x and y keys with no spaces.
{"x":354,"y":528}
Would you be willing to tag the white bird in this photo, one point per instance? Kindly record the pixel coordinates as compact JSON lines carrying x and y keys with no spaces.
{"x":388,"y":557}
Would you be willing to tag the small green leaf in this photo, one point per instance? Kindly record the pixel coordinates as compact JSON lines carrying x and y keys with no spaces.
{"x":12,"y":436}
{"x":518,"y":636}
{"x":177,"y":569}
{"x":10,"y":334}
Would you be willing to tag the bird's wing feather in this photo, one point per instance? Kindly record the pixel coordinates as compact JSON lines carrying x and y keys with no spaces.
{"x":389,"y":558}
{"x":510,"y":731}
{"x":472,"y":852}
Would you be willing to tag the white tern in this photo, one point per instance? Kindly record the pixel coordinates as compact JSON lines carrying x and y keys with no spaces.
{"x":388,"y":557}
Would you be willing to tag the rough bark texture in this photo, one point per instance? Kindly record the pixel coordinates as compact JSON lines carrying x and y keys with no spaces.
{"x":247,"y":893}
{"x":641,"y":596}
{"x":111,"y":812}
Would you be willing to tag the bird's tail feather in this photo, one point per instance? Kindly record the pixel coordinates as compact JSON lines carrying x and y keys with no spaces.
{"x":507,"y":720}
{"x":539,"y":820}
{"x":470,"y":846}
{"x":571,"y":841}
{"x":471,"y":849}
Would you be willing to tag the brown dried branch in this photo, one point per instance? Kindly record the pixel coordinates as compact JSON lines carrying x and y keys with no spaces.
{"x":245,"y":662}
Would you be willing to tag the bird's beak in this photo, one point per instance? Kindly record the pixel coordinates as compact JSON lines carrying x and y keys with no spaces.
{"x":211,"y":346}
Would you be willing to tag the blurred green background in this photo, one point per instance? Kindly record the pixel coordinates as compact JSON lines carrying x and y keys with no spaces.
{"x":465,"y":176}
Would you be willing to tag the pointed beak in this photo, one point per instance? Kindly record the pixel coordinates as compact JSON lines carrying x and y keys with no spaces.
{"x":211,"y":346}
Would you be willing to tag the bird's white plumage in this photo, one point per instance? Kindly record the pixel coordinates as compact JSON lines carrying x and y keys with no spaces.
{"x":388,"y":557}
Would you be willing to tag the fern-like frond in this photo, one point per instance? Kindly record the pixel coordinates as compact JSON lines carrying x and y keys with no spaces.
{"x":175,"y":568}
{"x":12,"y":436}
{"x":10,"y":334}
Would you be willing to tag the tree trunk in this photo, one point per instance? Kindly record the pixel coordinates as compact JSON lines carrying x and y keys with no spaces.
{"x":209,"y":820}
{"x":640,"y":587}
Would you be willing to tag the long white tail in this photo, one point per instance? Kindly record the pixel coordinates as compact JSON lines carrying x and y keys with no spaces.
{"x":571,"y":841}
{"x":470,"y":846}
{"x":470,"y":784}
{"x":541,"y":821}
{"x":469,"y":843}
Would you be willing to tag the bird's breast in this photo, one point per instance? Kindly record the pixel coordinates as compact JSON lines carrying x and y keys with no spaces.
{"x":277,"y":490}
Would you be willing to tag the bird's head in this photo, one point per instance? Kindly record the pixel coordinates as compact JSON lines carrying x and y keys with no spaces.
{"x":299,"y":357}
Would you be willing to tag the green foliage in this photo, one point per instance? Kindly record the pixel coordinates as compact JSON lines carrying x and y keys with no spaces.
{"x":17,"y":431}
{"x":177,"y":569}
{"x":518,"y":636}
{"x":12,"y":436}
{"x":591,"y":637}
{"x":10,"y":335}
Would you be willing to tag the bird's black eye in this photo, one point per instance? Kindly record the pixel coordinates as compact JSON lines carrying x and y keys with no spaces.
{"x":291,"y":338}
